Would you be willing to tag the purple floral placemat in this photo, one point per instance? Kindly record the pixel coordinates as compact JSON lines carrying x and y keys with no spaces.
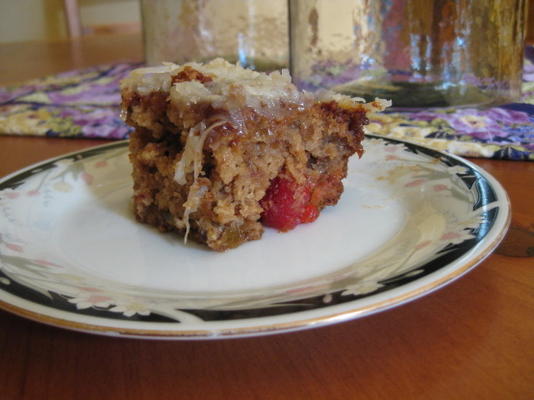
{"x":85,"y":103}
{"x":80,"y":103}
{"x":505,"y":132}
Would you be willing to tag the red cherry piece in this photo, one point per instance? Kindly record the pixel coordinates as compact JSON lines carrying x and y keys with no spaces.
{"x":309,"y":214}
{"x":287,"y":204}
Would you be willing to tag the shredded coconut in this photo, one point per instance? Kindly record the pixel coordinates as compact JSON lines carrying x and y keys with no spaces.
{"x":192,"y":161}
{"x":234,"y":87}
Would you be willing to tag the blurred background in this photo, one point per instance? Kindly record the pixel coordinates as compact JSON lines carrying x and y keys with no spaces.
{"x":28,"y":20}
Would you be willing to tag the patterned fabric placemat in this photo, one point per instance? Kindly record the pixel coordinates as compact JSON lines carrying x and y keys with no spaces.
{"x":79,"y":103}
{"x":505,"y":132}
{"x":85,"y":103}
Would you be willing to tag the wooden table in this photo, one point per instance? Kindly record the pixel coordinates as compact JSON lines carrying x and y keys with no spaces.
{"x":471,"y":340}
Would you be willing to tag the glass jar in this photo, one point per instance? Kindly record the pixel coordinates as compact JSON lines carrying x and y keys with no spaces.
{"x":253,"y":33}
{"x":418,"y":53}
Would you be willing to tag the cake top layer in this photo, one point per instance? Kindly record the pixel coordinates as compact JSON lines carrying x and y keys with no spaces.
{"x":227,"y":86}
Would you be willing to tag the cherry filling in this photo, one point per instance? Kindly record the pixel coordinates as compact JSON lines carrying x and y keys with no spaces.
{"x":287,"y":204}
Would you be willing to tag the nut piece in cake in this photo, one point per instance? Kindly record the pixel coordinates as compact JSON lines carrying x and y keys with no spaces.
{"x":219,"y":151}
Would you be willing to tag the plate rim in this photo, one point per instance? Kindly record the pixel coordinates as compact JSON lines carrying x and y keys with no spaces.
{"x":349,"y":310}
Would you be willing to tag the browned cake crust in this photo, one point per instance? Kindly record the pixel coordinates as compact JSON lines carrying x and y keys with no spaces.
{"x":203,"y":170}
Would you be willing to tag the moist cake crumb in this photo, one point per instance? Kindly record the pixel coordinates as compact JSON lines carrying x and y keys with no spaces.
{"x":218,"y":151}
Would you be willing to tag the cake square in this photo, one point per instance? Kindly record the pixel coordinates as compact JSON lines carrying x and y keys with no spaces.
{"x":219,"y":151}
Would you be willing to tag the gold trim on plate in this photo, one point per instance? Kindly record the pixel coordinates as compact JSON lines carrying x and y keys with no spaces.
{"x":262,"y":329}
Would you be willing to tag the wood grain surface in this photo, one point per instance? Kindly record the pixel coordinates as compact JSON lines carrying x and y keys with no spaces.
{"x":473,"y":339}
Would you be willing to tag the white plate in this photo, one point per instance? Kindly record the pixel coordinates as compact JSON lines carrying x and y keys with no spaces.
{"x":410,"y":220}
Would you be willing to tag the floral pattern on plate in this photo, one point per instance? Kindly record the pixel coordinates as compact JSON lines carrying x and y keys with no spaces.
{"x":450,"y":212}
